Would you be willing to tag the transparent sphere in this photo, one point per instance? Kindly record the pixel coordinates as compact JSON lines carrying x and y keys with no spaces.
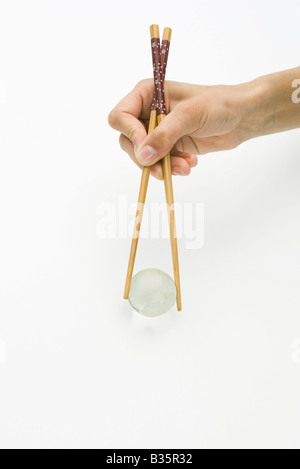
{"x":152,"y":292}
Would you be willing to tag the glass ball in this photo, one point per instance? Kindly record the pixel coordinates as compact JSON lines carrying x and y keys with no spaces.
{"x":152,"y":292}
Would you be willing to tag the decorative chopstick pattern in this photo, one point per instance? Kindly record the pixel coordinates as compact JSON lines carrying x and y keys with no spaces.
{"x":159,"y":75}
{"x":160,"y":55}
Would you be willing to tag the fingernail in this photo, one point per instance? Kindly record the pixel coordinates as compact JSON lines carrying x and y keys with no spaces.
{"x":178,"y":172}
{"x":146,"y":154}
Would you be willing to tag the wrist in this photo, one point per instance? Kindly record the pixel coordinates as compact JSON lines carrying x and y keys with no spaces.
{"x":257,"y":109}
{"x":267,"y":106}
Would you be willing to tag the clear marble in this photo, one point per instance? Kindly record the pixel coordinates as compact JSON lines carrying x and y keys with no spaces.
{"x":152,"y":292}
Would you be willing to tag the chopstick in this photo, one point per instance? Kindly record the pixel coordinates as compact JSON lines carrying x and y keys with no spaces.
{"x":167,"y":170}
{"x":139,"y":212}
{"x":142,"y":195}
{"x":158,"y":112}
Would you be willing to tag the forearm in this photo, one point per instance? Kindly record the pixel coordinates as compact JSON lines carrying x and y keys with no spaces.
{"x":272,"y":104}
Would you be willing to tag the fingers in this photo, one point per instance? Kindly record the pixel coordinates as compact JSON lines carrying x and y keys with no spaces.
{"x":181,"y":162}
{"x":125,"y":116}
{"x":190,"y":158}
{"x":160,"y":142}
{"x":127,"y":146}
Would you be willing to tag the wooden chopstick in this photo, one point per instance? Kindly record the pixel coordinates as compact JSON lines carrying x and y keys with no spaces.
{"x":139,"y":212}
{"x":167,"y":173}
{"x":142,"y":195}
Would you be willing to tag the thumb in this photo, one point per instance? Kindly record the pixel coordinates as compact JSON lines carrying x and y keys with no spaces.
{"x":159,"y":143}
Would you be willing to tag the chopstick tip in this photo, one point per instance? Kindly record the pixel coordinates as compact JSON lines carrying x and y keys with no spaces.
{"x":154,"y":31}
{"x":167,"y":34}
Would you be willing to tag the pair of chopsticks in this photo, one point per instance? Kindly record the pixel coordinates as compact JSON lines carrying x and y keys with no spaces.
{"x":158,"y":113}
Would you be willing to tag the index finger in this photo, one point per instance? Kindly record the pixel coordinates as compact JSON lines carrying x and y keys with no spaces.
{"x":125,"y":115}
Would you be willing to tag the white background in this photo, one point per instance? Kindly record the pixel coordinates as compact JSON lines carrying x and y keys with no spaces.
{"x":78,"y":369}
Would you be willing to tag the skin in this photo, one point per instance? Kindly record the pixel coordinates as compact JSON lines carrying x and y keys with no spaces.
{"x":204,"y":119}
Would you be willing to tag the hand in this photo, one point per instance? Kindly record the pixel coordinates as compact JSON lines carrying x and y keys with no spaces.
{"x":202,"y":119}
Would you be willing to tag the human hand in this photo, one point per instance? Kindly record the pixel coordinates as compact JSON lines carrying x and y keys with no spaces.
{"x":200,"y":119}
